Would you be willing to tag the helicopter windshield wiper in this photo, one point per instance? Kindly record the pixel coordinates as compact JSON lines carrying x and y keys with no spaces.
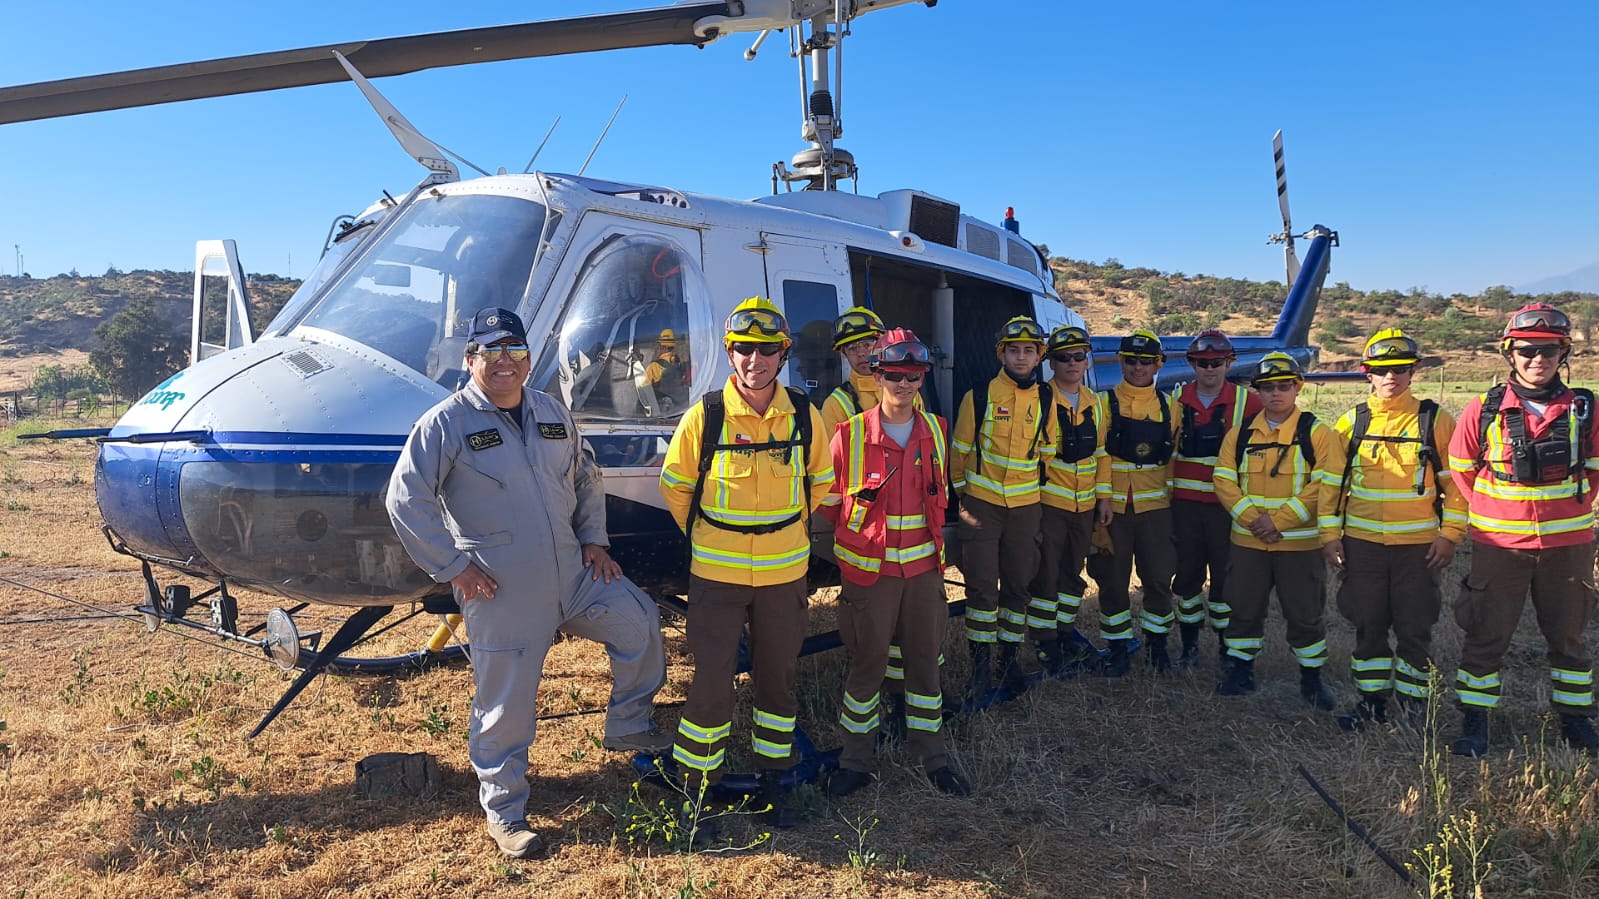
{"x":195,"y":436}
{"x":66,"y":434}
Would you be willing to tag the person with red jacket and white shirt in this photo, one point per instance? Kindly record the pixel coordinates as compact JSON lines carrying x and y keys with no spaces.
{"x":1210,"y":407}
{"x":1526,"y":457}
{"x":888,"y":507}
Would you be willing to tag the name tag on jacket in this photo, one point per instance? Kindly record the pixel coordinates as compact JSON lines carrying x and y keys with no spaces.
{"x":483,"y":440}
{"x":555,"y":431}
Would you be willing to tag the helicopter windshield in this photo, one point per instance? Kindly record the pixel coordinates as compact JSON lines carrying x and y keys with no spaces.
{"x":636,"y":340}
{"x":413,"y":294}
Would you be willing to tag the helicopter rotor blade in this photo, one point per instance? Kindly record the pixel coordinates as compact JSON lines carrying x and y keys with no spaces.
{"x":375,"y":58}
{"x":1290,"y":259}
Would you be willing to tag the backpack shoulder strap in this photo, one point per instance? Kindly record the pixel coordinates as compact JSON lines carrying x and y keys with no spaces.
{"x":1485,"y":417}
{"x":802,"y":426}
{"x":1242,"y":449}
{"x":1302,"y":430}
{"x":715,"y":413}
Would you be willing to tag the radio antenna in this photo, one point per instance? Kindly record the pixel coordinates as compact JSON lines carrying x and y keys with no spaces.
{"x":602,"y":136}
{"x":541,"y":145}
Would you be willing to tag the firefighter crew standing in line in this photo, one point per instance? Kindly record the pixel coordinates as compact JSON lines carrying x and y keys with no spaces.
{"x":1134,"y":490}
{"x":1398,"y":518}
{"x":1004,"y":435}
{"x":1210,"y":407}
{"x":496,"y":495}
{"x":890,"y":492}
{"x":742,"y":492}
{"x":855,"y":335}
{"x":1526,"y":457}
{"x":1069,"y":501}
{"x":1271,"y":475}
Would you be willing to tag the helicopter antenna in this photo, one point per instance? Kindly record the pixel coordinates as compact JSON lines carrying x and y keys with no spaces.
{"x":1286,"y":236}
{"x":431,"y":155}
{"x":541,"y":145}
{"x":602,"y":136}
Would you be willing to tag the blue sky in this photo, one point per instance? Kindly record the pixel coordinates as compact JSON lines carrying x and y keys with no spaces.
{"x":1453,"y":146}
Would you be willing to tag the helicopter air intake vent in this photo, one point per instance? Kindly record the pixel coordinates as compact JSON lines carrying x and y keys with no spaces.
{"x":1021,"y":254}
{"x":935,"y":220}
{"x":982,"y":241}
{"x":305,"y":363}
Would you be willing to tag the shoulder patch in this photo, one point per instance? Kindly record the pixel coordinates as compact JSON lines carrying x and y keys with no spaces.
{"x":552,"y":430}
{"x":483,"y":440}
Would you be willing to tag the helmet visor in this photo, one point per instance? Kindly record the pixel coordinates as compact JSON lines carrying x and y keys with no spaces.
{"x":1019,"y":330}
{"x":1393,"y":351}
{"x":1275,"y":369}
{"x":1541,"y":321}
{"x":906,"y":353}
{"x":1066,"y":337}
{"x":1210,"y":346}
{"x":753,"y":322}
{"x":852,"y":326}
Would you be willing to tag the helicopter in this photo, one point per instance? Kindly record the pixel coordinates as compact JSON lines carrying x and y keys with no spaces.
{"x":264,"y":464}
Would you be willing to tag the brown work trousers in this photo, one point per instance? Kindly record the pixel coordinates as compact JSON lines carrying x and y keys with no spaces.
{"x":1144,"y":539}
{"x":1385,"y":588}
{"x":1058,"y":589}
{"x":717,"y":616}
{"x":1561,"y":582}
{"x":999,"y":549}
{"x":1202,"y":533}
{"x":1299,"y":576}
{"x":913,"y":614}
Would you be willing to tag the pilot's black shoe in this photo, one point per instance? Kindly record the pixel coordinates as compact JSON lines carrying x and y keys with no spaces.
{"x":1579,"y":732}
{"x":846,"y":781}
{"x":948,"y":780}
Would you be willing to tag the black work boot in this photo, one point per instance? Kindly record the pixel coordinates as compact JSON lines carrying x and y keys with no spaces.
{"x":772,"y":797}
{"x":1473,"y":739}
{"x":981,"y":678}
{"x":1190,"y":654}
{"x":1051,"y":656}
{"x":1579,"y":732}
{"x":1158,"y":658}
{"x":1010,"y":670}
{"x":1119,"y":664}
{"x":1371,"y":709}
{"x":1314,"y":691}
{"x":950,"y":781}
{"x":1239,"y":677}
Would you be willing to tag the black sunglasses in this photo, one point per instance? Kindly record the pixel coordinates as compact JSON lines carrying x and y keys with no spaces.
{"x":1546,"y":351}
{"x":1068,"y":357}
{"x":1209,"y":363}
{"x":895,"y":377}
{"x":750,"y":348}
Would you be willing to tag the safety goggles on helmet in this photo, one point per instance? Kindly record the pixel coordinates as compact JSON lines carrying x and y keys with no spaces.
{"x":1275,"y":367}
{"x":1210,"y":345}
{"x":854,"y":325}
{"x":1066,"y":337}
{"x":1539,"y":321}
{"x":903,"y":354}
{"x":1022,"y":330}
{"x":1396,"y":350}
{"x":757,"y":324}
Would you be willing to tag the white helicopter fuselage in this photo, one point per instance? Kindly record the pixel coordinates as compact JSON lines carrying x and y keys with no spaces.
{"x":280,"y":450}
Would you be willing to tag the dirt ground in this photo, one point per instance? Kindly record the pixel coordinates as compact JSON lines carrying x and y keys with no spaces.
{"x":127,"y":770}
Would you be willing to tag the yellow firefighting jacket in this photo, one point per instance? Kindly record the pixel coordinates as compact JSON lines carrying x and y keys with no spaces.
{"x":998,"y":459}
{"x":1392,"y":489}
{"x":1148,"y":486}
{"x":747,"y":488}
{"x":1276,"y":479}
{"x":1070,"y":485}
{"x":839,"y":408}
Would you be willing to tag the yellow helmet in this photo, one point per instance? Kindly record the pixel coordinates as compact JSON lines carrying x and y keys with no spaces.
{"x":857,"y":323}
{"x":1022,"y":329}
{"x":1276,"y":367}
{"x":667,"y":337}
{"x":756,"y":320}
{"x":1142,"y":344}
{"x":1390,"y":347}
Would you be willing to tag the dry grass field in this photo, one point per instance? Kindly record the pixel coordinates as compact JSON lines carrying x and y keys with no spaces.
{"x":125,"y":769}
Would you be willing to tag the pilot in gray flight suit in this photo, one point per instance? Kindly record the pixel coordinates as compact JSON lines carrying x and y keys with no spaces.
{"x":496,"y":494}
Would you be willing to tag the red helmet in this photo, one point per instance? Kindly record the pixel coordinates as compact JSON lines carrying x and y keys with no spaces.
{"x":1538,"y":321}
{"x":899,"y":350}
{"x":1211,"y":344}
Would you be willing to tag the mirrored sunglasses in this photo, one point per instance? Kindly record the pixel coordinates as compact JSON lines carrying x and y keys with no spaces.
{"x":517,"y":351}
{"x":750,"y":348}
{"x":895,"y":377}
{"x":1546,"y":351}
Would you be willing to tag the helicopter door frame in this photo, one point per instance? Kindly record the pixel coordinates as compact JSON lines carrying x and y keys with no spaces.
{"x":209,"y":255}
{"x":799,"y":272}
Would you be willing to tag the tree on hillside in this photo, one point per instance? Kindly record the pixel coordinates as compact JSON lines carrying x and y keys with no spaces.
{"x":137,"y":349}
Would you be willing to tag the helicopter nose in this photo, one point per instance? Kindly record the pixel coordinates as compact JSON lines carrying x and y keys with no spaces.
{"x":136,"y":487}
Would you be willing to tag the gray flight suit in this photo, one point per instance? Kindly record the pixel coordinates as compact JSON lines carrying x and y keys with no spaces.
{"x":472,"y":485}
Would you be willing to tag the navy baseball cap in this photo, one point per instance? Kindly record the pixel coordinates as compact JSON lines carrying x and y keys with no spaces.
{"x":492,"y":324}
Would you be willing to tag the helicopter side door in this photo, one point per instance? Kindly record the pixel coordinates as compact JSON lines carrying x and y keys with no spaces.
{"x":810,"y":282}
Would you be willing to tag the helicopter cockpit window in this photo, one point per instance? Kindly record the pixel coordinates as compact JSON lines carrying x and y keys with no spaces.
{"x":412,"y":296}
{"x":636,"y":340}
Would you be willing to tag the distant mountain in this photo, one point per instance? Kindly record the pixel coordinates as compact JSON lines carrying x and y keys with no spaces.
{"x":1584,"y":280}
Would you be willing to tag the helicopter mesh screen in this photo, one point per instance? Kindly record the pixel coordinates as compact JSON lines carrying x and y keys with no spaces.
{"x":934,"y":220}
{"x":1021,"y":255}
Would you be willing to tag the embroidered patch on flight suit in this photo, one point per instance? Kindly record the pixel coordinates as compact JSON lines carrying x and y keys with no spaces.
{"x":552,"y":430}
{"x":482,"y":440}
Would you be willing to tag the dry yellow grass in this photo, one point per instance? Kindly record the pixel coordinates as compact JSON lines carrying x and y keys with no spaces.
{"x":126,"y":771}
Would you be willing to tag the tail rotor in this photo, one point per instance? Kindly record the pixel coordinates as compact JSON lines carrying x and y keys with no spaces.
{"x":1286,"y":236}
